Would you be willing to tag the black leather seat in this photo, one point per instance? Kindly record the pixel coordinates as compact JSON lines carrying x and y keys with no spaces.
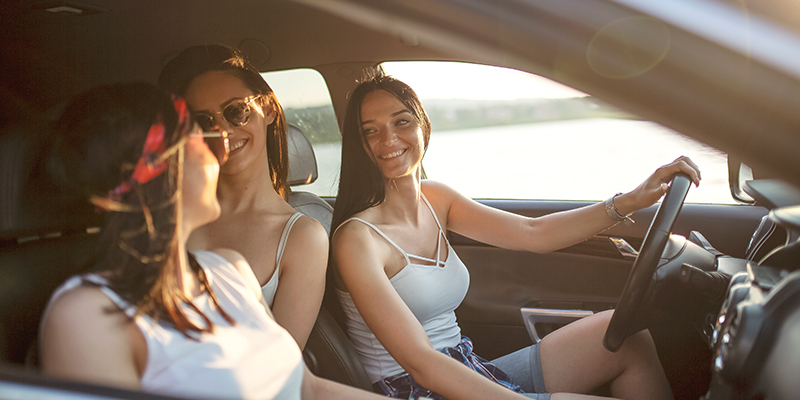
{"x":45,"y":237}
{"x":328,"y":352}
{"x":330,"y":355}
{"x":302,"y":171}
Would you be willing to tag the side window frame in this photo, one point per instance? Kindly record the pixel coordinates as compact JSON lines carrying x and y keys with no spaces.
{"x":542,"y":140}
{"x":304,"y":96}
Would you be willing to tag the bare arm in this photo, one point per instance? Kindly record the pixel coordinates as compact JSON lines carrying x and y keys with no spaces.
{"x":550,"y":232}
{"x":360,"y":261}
{"x":302,"y":279}
{"x":80,"y":341}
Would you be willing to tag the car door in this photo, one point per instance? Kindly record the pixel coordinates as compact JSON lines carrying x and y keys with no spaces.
{"x":509,"y":290}
{"x":587,"y":276}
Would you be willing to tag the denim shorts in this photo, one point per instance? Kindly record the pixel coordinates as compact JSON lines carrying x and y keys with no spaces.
{"x":524,"y":367}
{"x":519,"y":371}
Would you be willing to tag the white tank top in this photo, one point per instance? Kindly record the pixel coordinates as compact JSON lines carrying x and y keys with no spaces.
{"x":271,"y":287}
{"x":253,"y":359}
{"x":432,"y":291}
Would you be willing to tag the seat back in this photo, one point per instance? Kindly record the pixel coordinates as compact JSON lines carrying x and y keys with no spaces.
{"x":44,"y":237}
{"x":302,"y":171}
{"x":328,"y":352}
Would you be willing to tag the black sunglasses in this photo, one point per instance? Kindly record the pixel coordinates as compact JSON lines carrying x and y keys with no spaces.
{"x":235,"y":114}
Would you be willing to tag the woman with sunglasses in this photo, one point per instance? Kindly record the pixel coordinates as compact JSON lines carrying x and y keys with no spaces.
{"x":152,"y":316}
{"x":287,"y":251}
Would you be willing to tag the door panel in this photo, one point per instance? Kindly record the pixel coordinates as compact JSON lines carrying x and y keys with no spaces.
{"x":588,"y":276}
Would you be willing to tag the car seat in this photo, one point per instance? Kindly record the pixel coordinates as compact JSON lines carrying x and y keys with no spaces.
{"x":302,"y":171}
{"x":328,"y":352}
{"x":46,"y":236}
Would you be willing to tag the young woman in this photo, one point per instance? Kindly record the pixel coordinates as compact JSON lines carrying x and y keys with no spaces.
{"x":152,"y":316}
{"x":287,"y":251}
{"x":400,"y":281}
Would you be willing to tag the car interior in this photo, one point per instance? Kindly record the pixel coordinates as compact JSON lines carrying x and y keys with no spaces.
{"x":715,"y":283}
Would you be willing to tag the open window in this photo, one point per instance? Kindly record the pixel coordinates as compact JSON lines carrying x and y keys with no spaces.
{"x":508,"y":134}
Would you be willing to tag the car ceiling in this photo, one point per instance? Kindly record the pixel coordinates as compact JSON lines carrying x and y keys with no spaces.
{"x":739,"y":103}
{"x":51,"y":55}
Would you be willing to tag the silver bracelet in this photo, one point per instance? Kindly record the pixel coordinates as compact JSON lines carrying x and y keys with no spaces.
{"x":613,"y":212}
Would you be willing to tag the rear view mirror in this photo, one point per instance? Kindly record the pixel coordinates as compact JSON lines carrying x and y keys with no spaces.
{"x":738,"y":173}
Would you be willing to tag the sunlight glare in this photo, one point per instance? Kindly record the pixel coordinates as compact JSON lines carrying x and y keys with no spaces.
{"x":448,"y":80}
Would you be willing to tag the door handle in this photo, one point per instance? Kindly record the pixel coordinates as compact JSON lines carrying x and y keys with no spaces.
{"x":532,"y":316}
{"x":624,"y":248}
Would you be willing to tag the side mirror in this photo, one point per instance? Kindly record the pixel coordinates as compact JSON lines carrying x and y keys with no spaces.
{"x":738,"y":173}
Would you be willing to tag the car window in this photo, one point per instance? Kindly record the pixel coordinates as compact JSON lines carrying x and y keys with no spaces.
{"x":307,"y":103}
{"x":503,"y":133}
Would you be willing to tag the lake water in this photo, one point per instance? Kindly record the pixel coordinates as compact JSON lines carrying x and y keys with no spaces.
{"x":588,"y":159}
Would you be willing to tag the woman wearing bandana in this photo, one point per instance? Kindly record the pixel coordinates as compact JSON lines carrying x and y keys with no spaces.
{"x":150,"y":315}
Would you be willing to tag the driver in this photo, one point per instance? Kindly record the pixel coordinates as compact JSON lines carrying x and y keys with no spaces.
{"x":399,"y":280}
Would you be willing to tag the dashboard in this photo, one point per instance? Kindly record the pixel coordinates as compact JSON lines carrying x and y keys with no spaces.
{"x":756,"y":334}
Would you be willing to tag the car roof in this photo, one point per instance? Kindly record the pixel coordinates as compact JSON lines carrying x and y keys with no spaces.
{"x":724,"y":72}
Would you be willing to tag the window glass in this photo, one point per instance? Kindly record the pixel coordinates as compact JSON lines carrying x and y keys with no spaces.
{"x":503,"y":133}
{"x":307,"y":103}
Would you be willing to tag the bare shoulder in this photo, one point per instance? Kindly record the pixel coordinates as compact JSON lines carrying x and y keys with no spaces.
{"x":359,"y":255}
{"x":80,"y":315}
{"x":352,"y":233}
{"x":438,"y":192}
{"x":306,"y":248}
{"x":311,"y":232}
{"x":442,"y":198}
{"x":80,"y":300}
{"x":82,"y":338}
{"x":355,"y":244}
{"x":432,"y":185}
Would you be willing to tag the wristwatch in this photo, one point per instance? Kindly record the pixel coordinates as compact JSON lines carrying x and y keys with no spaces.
{"x":613,"y":212}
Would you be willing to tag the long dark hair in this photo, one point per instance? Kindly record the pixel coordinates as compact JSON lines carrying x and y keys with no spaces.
{"x":178,"y":74}
{"x":361,"y":184}
{"x":100,"y":139}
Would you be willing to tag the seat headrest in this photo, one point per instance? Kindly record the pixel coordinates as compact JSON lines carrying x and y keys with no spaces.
{"x":302,"y":162}
{"x":31,"y":203}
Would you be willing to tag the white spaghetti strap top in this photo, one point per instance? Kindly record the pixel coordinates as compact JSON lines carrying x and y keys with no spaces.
{"x":432,"y":291}
{"x":255,"y":358}
{"x":271,"y":287}
{"x":408,"y":256}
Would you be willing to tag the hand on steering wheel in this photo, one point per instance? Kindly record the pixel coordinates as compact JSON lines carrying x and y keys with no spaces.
{"x":646,"y":263}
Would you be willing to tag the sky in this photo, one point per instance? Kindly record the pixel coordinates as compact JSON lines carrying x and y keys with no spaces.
{"x":431,"y":80}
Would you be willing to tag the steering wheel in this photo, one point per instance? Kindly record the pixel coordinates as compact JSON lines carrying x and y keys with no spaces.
{"x":646,"y":263}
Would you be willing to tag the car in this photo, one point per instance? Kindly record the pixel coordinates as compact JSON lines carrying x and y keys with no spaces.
{"x":713,"y":277}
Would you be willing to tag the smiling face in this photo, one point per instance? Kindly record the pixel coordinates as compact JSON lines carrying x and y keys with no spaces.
{"x":210,"y":93}
{"x":392,"y":133}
